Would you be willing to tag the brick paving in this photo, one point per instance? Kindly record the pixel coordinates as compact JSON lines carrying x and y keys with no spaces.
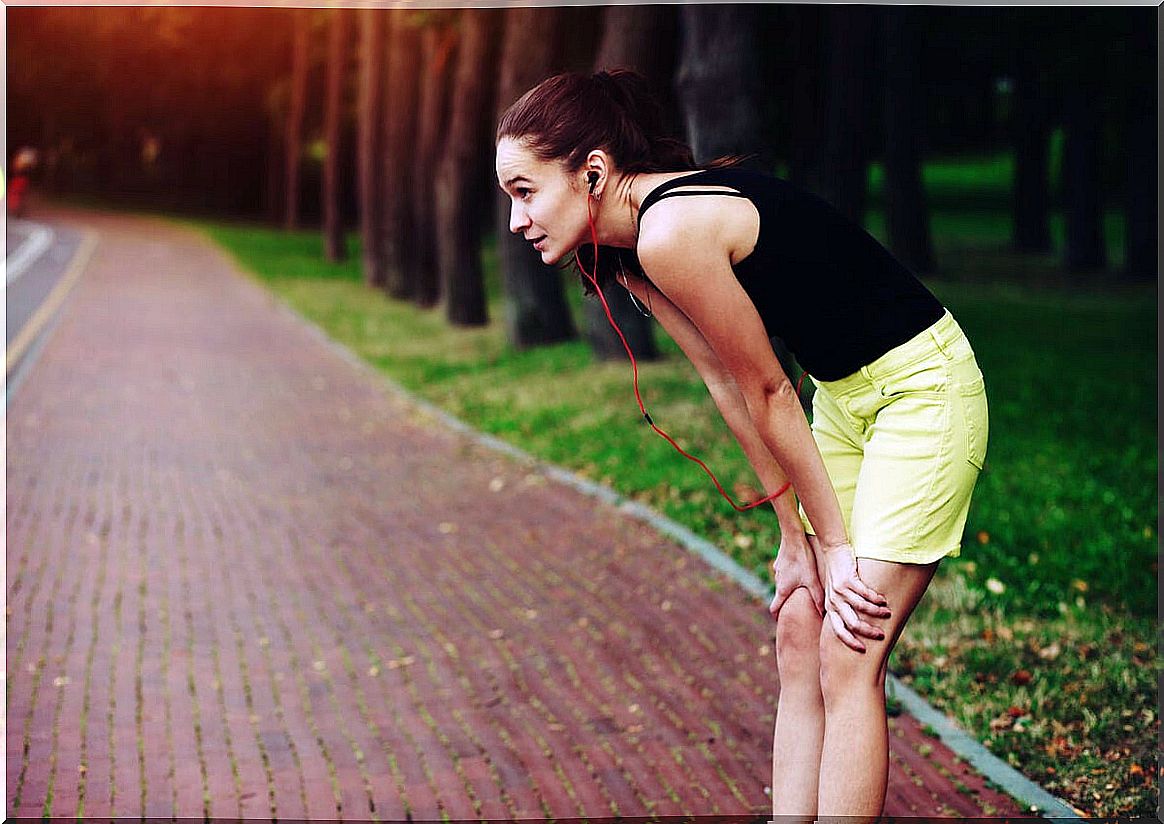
{"x":245,"y":581}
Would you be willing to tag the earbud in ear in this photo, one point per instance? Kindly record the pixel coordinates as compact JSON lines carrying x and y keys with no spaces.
{"x":593,"y":178}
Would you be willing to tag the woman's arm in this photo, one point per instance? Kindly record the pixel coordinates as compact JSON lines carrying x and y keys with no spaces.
{"x":682,"y":250}
{"x":725,"y":392}
{"x":794,"y":565}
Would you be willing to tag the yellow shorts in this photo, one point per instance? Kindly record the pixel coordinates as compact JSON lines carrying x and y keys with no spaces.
{"x":903,"y":440}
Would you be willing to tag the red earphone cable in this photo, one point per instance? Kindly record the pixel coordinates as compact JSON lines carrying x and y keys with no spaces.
{"x":635,"y":369}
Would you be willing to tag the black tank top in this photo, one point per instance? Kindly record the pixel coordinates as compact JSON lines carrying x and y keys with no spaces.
{"x":820,"y":282}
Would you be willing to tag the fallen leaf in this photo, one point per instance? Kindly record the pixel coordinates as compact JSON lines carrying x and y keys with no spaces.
{"x":1021,"y":678}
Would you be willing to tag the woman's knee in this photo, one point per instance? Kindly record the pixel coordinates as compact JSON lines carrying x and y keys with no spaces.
{"x":797,"y":634}
{"x":843,"y":669}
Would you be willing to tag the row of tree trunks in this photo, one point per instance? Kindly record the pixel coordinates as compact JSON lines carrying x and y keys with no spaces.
{"x":440,"y":71}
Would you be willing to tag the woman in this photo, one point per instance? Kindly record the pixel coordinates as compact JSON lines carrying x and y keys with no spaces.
{"x":725,"y":258}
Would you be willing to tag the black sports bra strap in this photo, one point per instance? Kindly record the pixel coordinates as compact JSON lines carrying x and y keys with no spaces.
{"x":653,"y":198}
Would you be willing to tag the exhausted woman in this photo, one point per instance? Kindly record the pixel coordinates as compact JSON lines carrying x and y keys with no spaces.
{"x":726,"y":258}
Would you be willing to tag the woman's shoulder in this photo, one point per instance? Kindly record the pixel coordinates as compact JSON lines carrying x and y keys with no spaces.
{"x":697,"y":225}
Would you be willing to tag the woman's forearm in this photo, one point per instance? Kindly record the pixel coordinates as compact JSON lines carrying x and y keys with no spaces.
{"x":779,"y":421}
{"x":730,"y":401}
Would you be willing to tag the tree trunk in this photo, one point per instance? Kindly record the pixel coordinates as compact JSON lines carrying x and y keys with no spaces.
{"x":845,"y":156}
{"x":1081,"y":170}
{"x":716,"y":80}
{"x":439,"y":45}
{"x":399,"y":152}
{"x":333,"y":224}
{"x":464,"y":166}
{"x":370,"y":156}
{"x":1031,"y":134}
{"x":536,"y":311}
{"x":642,"y":38}
{"x":905,"y":200}
{"x":294,"y":140}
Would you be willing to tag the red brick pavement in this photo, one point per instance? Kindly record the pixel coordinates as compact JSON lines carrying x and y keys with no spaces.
{"x":245,"y":581}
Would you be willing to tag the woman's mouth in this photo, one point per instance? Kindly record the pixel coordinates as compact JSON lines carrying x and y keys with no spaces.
{"x":537,"y":242}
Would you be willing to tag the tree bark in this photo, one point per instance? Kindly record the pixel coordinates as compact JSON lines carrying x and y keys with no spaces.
{"x":642,"y":38}
{"x":333,"y":224}
{"x":907,"y":215}
{"x":1081,"y":169}
{"x":536,"y":311}
{"x":400,"y":125}
{"x":846,"y":152}
{"x":293,"y":142}
{"x":464,"y":168}
{"x":1031,"y":134}
{"x":716,"y":80}
{"x":439,"y":50}
{"x":370,"y":155}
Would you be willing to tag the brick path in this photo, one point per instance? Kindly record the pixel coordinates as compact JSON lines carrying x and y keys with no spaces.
{"x":245,"y":581}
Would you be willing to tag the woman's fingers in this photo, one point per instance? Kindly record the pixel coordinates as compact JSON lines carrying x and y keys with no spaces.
{"x":864,"y":598}
{"x":865,"y":591}
{"x":843,"y":633}
{"x":854,"y":623}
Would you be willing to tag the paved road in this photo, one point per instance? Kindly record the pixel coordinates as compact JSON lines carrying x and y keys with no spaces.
{"x":245,"y":580}
{"x":36,"y":257}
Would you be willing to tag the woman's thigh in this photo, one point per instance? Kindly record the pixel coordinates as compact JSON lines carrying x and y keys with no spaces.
{"x":903,"y":586}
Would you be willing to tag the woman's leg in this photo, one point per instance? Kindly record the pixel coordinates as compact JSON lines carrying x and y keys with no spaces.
{"x":796,"y":743}
{"x":855,"y":756}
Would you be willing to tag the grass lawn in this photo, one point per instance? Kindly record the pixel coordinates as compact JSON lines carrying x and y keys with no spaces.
{"x":1040,"y":638}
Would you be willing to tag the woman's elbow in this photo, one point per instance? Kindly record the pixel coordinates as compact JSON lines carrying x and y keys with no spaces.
{"x":770,"y":396}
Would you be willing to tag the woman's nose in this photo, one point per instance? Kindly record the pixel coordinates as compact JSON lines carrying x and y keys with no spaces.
{"x":518,"y":219}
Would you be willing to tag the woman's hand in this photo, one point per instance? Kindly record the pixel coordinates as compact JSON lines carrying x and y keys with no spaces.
{"x":794,"y":567}
{"x":847,"y":598}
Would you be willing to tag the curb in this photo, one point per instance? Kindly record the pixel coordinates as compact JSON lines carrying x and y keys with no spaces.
{"x":961,"y":743}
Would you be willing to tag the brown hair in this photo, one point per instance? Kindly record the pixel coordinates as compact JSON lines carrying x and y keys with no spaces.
{"x":566,"y":116}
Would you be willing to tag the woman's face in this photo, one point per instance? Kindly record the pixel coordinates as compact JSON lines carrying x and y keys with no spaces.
{"x":548,"y":204}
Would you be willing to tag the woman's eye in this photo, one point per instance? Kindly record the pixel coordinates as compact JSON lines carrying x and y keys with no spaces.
{"x":522,"y":192}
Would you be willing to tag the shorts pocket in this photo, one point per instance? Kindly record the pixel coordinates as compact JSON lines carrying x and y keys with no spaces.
{"x":928,"y":378}
{"x":975,"y":418}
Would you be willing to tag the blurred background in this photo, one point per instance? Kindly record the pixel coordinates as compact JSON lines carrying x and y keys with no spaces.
{"x":1007,"y":155}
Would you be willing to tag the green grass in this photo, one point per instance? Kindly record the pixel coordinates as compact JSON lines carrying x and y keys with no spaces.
{"x":1058,"y":576}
